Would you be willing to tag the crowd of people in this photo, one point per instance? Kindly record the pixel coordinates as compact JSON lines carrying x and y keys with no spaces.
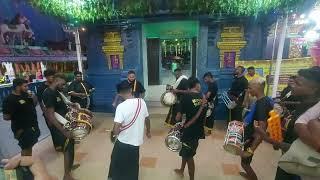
{"x":193,"y":109}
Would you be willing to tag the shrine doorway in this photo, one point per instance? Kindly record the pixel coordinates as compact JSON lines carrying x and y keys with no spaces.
{"x":168,"y":46}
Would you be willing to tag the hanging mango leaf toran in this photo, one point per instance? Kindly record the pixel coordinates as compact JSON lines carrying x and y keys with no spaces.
{"x":93,"y":10}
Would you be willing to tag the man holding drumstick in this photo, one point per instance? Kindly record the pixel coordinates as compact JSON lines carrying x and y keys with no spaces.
{"x":252,"y":139}
{"x":192,"y":105}
{"x":54,"y":102}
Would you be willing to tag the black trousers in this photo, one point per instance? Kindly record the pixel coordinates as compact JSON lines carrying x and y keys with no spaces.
{"x":210,"y":120}
{"x":124,"y":163}
{"x":52,"y":132}
{"x":236,"y":113}
{"x":64,"y":144}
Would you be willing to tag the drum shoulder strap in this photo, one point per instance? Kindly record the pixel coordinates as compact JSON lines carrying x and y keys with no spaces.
{"x":136,"y":115}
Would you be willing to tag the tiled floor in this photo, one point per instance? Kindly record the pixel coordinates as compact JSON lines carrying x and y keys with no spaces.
{"x":157,"y":162}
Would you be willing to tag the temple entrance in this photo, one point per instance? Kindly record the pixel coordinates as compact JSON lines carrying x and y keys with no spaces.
{"x":166,"y":55}
{"x":168,"y":46}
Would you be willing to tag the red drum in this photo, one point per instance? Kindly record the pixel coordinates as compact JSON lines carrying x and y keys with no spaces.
{"x":233,"y":142}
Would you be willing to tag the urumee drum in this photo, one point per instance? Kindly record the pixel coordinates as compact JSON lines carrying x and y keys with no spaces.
{"x":168,"y":99}
{"x":233,"y":142}
{"x":80,"y":122}
{"x":173,"y":141}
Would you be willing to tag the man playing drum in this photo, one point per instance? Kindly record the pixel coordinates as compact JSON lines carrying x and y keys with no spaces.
{"x":237,"y":92}
{"x":129,"y":122}
{"x":305,"y":88}
{"x":252,"y":139}
{"x":53,"y":102}
{"x":180,"y":87}
{"x":193,"y":105}
{"x":212,"y":99}
{"x":80,"y":91}
{"x":49,"y":75}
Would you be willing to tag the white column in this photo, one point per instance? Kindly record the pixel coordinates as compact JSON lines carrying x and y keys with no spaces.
{"x":78,"y":48}
{"x":279,"y":57}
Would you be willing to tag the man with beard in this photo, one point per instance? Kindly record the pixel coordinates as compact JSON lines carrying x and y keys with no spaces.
{"x":19,"y":107}
{"x":80,"y":91}
{"x":212,"y":99}
{"x":306,"y":88}
{"x":237,"y":93}
{"x":54,"y":102}
{"x":49,"y":75}
{"x":137,"y":88}
{"x":180,"y":87}
{"x":192,"y":105}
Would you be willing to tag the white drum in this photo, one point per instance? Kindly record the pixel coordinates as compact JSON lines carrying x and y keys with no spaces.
{"x":168,"y":99}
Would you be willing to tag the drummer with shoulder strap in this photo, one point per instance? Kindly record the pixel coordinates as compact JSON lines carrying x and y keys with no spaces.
{"x":211,"y":96}
{"x":54,"y":103}
{"x":237,"y":93}
{"x":305,"y":88}
{"x":129,"y":122}
{"x":192,"y":105}
{"x":180,"y":87}
{"x":80,"y":91}
{"x":258,"y":115}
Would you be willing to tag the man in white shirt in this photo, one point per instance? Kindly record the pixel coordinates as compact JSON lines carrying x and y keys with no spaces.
{"x":130,"y":120}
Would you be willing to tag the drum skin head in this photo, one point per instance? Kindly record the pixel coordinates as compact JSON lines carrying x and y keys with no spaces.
{"x":235,"y":150}
{"x":173,"y":143}
{"x":168,"y":99}
{"x":79,"y":133}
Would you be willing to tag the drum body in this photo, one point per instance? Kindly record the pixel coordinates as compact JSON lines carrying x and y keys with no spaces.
{"x":173,"y":141}
{"x":80,"y":122}
{"x":168,"y":99}
{"x":233,"y":142}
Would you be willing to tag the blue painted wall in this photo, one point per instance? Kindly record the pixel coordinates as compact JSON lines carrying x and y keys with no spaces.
{"x":100,"y":76}
{"x":105,"y":80}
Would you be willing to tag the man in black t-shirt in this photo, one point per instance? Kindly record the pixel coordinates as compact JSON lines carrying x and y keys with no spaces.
{"x":192,"y":105}
{"x":19,"y":107}
{"x":138,"y":90}
{"x":306,"y":88}
{"x":49,"y":75}
{"x":237,"y":92}
{"x":180,"y":87}
{"x":261,"y":114}
{"x":80,"y":91}
{"x":212,"y":99}
{"x":55,"y":103}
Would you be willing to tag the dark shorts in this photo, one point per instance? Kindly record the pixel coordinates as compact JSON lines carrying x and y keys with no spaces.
{"x":189,"y":149}
{"x":124,"y":163}
{"x":27,"y":137}
{"x":60,"y":141}
{"x":247,"y":160}
{"x":236,"y":113}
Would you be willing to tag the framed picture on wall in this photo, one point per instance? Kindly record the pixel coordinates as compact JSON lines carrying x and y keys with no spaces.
{"x":229,"y":59}
{"x":115,"y":61}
